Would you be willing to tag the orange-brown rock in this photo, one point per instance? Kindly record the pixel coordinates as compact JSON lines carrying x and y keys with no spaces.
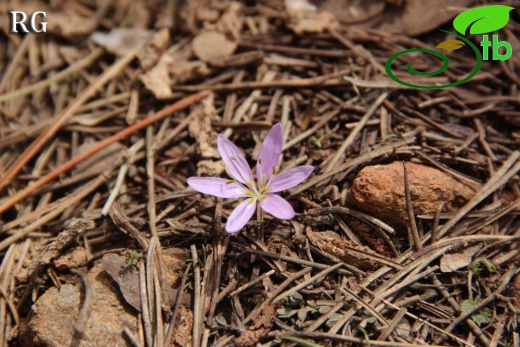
{"x":379,"y":191}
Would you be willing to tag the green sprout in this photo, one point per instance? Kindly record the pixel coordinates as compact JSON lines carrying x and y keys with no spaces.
{"x":132,"y":257}
{"x":477,"y":269}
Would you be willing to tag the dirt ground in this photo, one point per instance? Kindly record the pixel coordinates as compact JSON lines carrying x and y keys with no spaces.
{"x":404,"y":234}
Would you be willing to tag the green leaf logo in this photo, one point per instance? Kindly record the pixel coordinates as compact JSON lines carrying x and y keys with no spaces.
{"x":451,"y":45}
{"x":482,"y":19}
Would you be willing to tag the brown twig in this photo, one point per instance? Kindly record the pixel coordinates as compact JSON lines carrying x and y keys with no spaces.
{"x":330,"y":80}
{"x":145,"y":309}
{"x":197,"y":300}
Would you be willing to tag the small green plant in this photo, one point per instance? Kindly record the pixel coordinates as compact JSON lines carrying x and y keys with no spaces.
{"x":476,"y":266}
{"x":315,"y":142}
{"x":132,"y":257}
{"x":294,"y":306}
{"x":291,"y":305}
{"x":481,"y":316}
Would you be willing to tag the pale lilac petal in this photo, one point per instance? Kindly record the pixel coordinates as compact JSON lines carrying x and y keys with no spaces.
{"x":235,"y":161}
{"x":219,"y":187}
{"x":290,"y":178}
{"x":269,"y":153}
{"x":277,"y":206}
{"x":240,"y":215}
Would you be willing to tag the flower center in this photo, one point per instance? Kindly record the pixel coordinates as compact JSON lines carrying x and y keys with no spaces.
{"x":260,"y":192}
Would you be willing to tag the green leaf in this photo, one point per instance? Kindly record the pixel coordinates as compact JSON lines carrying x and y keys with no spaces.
{"x":451,"y":45}
{"x":481,"y":316}
{"x":285,"y":313}
{"x":466,"y":306}
{"x":294,"y":300}
{"x":302,"y":313}
{"x":482,"y":19}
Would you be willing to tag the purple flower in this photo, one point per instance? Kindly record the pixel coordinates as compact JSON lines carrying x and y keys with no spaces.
{"x":243,"y":184}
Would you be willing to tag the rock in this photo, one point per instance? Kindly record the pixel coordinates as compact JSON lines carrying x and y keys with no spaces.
{"x":379,"y":191}
{"x":52,"y":317}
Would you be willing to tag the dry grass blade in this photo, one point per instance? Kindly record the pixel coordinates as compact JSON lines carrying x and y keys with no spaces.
{"x":73,"y":162}
{"x":499,"y":178}
{"x":81,"y":193}
{"x":172,"y":324}
{"x":76,"y":67}
{"x":414,"y":240}
{"x":197,"y":300}
{"x":330,"y":80}
{"x":385,"y":334}
{"x":343,"y":338}
{"x":251,"y":283}
{"x":355,"y":132}
{"x":351,"y":295}
{"x":307,"y":282}
{"x":64,"y":117}
{"x":121,"y":176}
{"x":145,"y":309}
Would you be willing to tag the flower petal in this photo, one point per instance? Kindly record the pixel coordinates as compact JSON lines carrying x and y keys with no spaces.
{"x":290,"y":178}
{"x":219,"y":187}
{"x":269,"y":153}
{"x":235,"y":161}
{"x":277,"y":206}
{"x":240,"y":215}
